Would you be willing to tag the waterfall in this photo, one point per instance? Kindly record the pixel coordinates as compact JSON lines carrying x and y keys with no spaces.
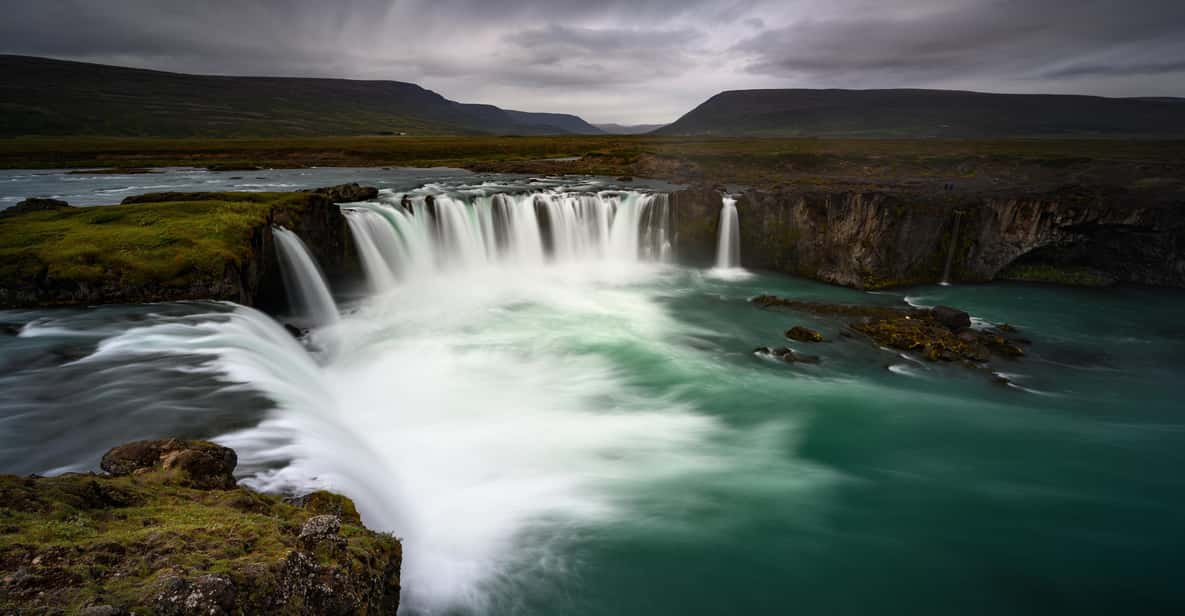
{"x":307,"y":292}
{"x":401,"y":237}
{"x":950,"y":254}
{"x":728,"y":244}
{"x":367,"y":228}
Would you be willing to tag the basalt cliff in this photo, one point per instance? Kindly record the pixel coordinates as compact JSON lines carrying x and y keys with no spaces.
{"x":872,"y":239}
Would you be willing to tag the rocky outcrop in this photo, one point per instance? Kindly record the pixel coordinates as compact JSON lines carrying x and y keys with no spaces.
{"x":163,"y":534}
{"x":346,"y":193}
{"x":196,"y":464}
{"x":35,"y":204}
{"x":880,"y":239}
{"x":936,"y":334}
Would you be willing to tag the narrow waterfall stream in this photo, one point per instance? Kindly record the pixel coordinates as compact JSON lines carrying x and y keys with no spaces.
{"x":728,"y":243}
{"x":307,"y":290}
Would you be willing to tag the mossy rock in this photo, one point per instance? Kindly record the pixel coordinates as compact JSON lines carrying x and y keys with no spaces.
{"x":143,"y":543}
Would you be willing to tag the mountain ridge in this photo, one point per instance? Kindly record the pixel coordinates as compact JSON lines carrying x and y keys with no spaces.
{"x":44,"y":96}
{"x":913,"y":113}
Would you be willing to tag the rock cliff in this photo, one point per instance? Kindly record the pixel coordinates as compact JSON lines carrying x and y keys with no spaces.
{"x":879,"y":239}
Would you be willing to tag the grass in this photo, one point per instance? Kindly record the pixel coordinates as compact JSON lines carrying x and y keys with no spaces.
{"x":758,"y":161}
{"x":80,"y":539}
{"x":170,"y":243}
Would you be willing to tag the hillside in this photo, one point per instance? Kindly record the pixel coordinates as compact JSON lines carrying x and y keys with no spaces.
{"x":629,"y":129}
{"x":927,"y":113}
{"x":39,"y":96}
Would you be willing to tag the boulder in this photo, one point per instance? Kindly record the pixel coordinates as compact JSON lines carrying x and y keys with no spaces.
{"x":346,"y":193}
{"x":954,"y":319}
{"x":786,"y":355}
{"x":322,"y":502}
{"x":197,"y":464}
{"x":803,"y":334}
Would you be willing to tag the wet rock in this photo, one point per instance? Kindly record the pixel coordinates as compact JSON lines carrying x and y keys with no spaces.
{"x":954,"y":319}
{"x":803,"y":334}
{"x":786,"y":355}
{"x":346,"y":193}
{"x":940,"y":334}
{"x":197,"y":464}
{"x":295,"y":331}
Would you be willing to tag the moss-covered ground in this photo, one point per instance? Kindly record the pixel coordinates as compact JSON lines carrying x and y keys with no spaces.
{"x":171,"y":243}
{"x":79,"y":540}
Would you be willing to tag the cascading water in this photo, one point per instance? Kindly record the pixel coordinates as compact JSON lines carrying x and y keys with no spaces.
{"x":401,"y":238}
{"x":728,"y":243}
{"x":308,"y":294}
{"x":369,"y":229}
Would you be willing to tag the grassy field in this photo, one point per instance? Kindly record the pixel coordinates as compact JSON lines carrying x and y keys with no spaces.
{"x":970,"y":163}
{"x":169,"y":243}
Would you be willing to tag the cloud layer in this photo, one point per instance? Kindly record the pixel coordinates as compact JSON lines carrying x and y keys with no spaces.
{"x":631,"y":61}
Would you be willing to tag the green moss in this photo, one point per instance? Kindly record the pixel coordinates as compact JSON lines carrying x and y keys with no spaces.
{"x":168,"y":243}
{"x":82,"y":539}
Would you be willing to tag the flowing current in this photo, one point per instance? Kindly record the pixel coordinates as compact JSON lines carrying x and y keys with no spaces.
{"x":457,"y":409}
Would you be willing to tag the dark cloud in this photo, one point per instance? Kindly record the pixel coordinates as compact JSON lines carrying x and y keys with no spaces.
{"x":990,"y":40}
{"x":629,"y":60}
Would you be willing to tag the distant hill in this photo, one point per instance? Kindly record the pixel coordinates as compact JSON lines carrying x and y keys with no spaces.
{"x":40,"y":96}
{"x":629,"y":129}
{"x":928,"y":113}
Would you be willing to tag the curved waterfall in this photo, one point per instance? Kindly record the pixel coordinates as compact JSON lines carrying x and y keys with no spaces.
{"x":308,"y":294}
{"x":405,"y":237}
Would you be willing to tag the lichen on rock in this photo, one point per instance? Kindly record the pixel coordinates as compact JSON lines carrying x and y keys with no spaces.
{"x":165,"y":533}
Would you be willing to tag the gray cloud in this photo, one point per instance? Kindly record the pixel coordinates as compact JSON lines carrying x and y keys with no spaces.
{"x":630,"y":60}
{"x":993,"y":41}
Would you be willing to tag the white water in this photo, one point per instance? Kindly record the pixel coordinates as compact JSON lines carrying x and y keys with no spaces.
{"x":455,"y":233}
{"x":308,"y":293}
{"x":728,"y":243}
{"x":461,"y":407}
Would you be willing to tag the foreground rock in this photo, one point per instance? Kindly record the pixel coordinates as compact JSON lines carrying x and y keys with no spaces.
{"x":168,"y":532}
{"x":938,"y":334}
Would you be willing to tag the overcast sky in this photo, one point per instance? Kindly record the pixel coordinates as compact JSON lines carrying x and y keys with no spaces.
{"x":630,"y":61}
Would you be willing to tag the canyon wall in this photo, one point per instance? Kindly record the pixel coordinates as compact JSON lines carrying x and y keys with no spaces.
{"x":876,"y":239}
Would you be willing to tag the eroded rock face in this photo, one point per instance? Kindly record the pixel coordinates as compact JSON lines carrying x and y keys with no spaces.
{"x":875,"y":239}
{"x":198,"y":464}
